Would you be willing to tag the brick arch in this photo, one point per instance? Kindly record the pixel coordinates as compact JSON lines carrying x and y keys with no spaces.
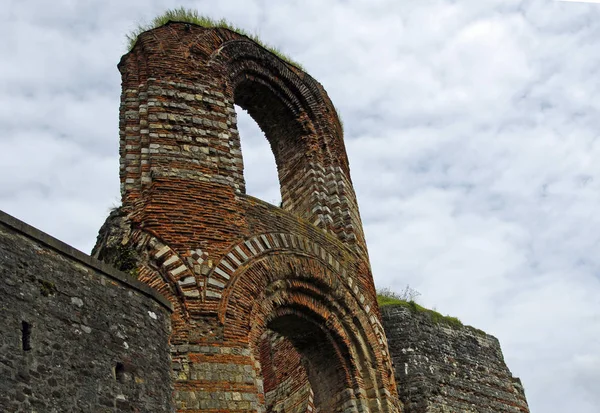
{"x":242,"y":254}
{"x":303,"y":287}
{"x":292,"y":108}
{"x":326,"y":360}
{"x":304,"y":132}
{"x":235,"y":267}
{"x":176,"y":277}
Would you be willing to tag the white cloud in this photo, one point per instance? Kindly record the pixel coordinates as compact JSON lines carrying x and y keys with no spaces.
{"x":478,"y":119}
{"x":580,"y":1}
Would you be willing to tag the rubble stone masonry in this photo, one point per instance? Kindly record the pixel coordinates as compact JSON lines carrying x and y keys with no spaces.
{"x":446,"y":368}
{"x":75,"y":334}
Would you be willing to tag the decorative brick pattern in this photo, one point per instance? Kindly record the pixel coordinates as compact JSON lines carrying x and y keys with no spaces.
{"x":252,"y":248}
{"x":183,"y":125}
{"x":236,"y":269}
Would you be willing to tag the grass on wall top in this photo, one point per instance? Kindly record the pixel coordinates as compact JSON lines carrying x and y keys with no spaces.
{"x":386,"y":297}
{"x":184,"y":15}
{"x":192,"y":16}
{"x":435,"y":316}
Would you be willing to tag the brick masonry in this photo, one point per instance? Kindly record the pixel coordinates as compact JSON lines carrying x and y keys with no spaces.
{"x":225,"y":303}
{"x":235,"y":268}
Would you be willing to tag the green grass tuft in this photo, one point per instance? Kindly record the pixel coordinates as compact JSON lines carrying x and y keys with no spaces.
{"x":182,"y":14}
{"x":192,"y":16}
{"x":436,"y":317}
{"x":338,"y":113}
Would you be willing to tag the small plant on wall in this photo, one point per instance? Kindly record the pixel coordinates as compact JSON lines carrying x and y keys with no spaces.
{"x":407,"y":298}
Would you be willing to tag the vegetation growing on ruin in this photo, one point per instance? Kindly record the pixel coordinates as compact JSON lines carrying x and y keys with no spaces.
{"x":407,"y":298}
{"x":47,"y":288}
{"x":182,"y":14}
{"x":125,"y":260}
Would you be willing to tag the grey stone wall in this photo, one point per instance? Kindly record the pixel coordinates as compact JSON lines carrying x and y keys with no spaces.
{"x":441,"y":367}
{"x":75,"y":334}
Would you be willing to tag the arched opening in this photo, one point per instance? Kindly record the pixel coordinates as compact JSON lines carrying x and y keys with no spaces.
{"x":260,"y":170}
{"x":302,"y":366}
{"x":278,"y":118}
{"x":120,"y":372}
{"x":308,"y":337}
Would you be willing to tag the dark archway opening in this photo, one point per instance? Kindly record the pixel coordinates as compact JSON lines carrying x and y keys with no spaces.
{"x":120,"y":372}
{"x":301,"y":367}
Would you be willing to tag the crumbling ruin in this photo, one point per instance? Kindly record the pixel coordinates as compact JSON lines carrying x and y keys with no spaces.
{"x":270,"y":308}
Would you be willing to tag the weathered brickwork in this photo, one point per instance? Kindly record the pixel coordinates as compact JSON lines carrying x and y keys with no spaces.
{"x":75,"y":334}
{"x":286,"y":384}
{"x":443,"y":369}
{"x":225,"y":303}
{"x":243,"y":275}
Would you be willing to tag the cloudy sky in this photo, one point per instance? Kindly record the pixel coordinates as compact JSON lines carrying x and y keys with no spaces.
{"x":472,"y":131}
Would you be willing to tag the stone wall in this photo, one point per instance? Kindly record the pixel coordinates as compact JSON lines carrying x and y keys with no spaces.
{"x":75,"y":334}
{"x":441,"y":367}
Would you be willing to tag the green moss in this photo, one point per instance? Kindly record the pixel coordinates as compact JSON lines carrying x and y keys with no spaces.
{"x":47,"y":288}
{"x":126,"y":260}
{"x":436,"y":317}
{"x":386,"y":300}
{"x":192,"y":16}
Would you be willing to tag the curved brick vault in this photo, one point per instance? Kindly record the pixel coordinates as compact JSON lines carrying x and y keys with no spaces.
{"x":275,"y":308}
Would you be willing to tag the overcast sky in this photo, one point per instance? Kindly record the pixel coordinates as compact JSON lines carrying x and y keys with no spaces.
{"x":471,"y":127}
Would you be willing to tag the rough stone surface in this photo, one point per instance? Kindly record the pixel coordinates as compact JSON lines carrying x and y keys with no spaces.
{"x":74,"y":338}
{"x":440,"y":368}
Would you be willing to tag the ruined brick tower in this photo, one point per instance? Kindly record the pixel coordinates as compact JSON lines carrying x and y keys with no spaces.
{"x":274,"y":308}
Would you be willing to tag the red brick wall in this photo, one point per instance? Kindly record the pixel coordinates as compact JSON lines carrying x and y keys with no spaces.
{"x":238,"y":269}
{"x":286,"y":384}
